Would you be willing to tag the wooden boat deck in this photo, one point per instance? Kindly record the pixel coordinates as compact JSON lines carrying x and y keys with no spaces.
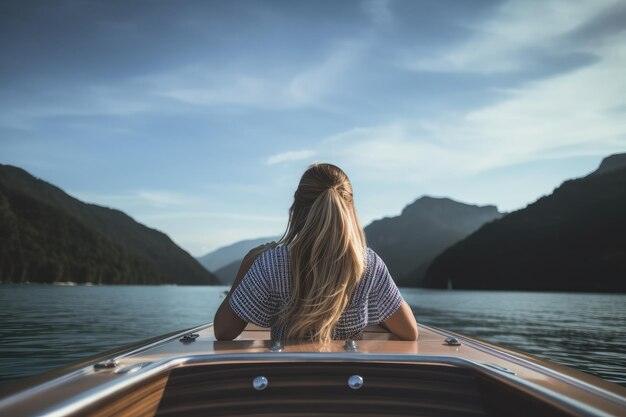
{"x":164,"y":377}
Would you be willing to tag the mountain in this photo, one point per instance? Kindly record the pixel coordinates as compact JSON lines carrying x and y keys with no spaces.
{"x":611,"y":163}
{"x":40,"y":243}
{"x":408,"y":242}
{"x":225,"y":261}
{"x":228,"y":273}
{"x":48,"y":235}
{"x":572,"y":240}
{"x":231,"y":253}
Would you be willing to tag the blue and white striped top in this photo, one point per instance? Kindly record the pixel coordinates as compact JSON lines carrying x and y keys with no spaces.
{"x":264,"y":291}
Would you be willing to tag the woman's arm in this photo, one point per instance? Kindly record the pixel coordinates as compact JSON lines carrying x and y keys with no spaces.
{"x":402,"y":323}
{"x":227,"y":325}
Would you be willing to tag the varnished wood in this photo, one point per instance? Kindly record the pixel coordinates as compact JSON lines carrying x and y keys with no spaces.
{"x":312,"y":389}
{"x":139,"y":393}
{"x":321,"y":389}
{"x":141,"y":401}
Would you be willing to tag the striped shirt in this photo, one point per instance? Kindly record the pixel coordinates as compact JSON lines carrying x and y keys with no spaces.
{"x":264,"y":291}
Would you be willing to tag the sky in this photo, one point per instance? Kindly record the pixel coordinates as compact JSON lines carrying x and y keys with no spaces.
{"x":198,"y":118}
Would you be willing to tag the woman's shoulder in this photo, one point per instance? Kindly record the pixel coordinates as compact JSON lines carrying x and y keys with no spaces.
{"x":273,"y":258}
{"x":278,"y":252}
{"x":372,"y":259}
{"x":375,"y":270}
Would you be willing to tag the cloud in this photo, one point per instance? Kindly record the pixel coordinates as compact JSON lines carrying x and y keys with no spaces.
{"x":520,"y":35}
{"x":578,"y":113}
{"x":224,"y":188}
{"x":164,"y":198}
{"x":312,"y":86}
{"x":197,"y":215}
{"x":268,"y":88}
{"x":276,"y":88}
{"x":378,"y":10}
{"x":393,"y":153}
{"x":290,"y":156}
{"x":139,"y":199}
{"x":64,"y":101}
{"x":201,"y":88}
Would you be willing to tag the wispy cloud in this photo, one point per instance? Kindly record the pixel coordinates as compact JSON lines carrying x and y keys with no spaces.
{"x":512,"y":82}
{"x":399,"y":152}
{"x":225,"y":188}
{"x":198,"y":215}
{"x":583,"y":111}
{"x":164,"y":198}
{"x":308,"y":84}
{"x":378,"y":10}
{"x":573,"y":113}
{"x":200,"y":87}
{"x":313,"y":85}
{"x":143,"y":198}
{"x":518,"y":36}
{"x":268,"y":88}
{"x":290,"y":156}
{"x":71,"y":102}
{"x":578,"y":113}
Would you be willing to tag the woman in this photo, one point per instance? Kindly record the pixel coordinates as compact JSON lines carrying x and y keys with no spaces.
{"x":320,"y":282}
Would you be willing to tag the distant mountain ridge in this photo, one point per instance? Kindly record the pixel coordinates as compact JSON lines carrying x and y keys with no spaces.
{"x":228,"y":273}
{"x":416,"y":245}
{"x":408,"y":242}
{"x":571,"y":240}
{"x":225,"y":255}
{"x":611,"y":163}
{"x":111,"y":240}
{"x":224,"y":262}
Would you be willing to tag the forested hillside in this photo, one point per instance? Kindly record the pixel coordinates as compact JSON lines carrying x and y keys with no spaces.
{"x":49,"y":236}
{"x":571,"y":240}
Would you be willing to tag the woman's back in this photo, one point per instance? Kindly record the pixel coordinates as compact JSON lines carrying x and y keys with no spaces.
{"x":266,"y":289}
{"x":321,"y":282}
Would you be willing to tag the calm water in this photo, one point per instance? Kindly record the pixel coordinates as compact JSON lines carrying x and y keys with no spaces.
{"x":44,"y":327}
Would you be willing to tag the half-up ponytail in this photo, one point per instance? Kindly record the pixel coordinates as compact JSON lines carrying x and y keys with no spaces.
{"x":327,"y":253}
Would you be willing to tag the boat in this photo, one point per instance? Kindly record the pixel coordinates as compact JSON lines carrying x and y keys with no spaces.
{"x":190,"y":373}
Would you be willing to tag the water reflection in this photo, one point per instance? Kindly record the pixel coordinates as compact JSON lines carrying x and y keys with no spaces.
{"x":44,"y":327}
{"x":584,"y":331}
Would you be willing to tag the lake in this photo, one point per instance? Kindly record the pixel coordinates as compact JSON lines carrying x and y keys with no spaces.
{"x":43,"y":327}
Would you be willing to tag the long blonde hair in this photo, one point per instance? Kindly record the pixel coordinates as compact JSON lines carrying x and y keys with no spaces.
{"x":327,"y":252}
